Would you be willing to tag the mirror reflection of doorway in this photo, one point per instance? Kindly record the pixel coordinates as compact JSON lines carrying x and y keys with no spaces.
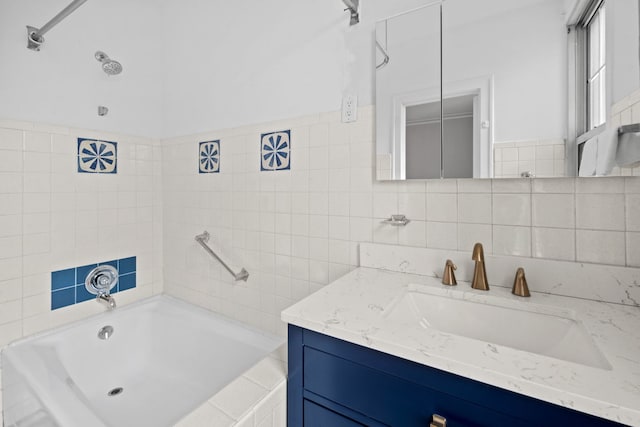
{"x":423,"y":148}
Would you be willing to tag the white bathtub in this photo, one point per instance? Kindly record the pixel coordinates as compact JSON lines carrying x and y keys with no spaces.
{"x":166,"y":356}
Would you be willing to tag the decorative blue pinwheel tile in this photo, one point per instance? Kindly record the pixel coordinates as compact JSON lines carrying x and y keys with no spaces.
{"x":275,"y":151}
{"x":96,"y":156}
{"x":209,"y":158}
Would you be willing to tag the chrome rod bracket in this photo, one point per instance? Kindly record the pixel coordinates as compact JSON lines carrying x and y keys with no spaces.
{"x":34,"y":41}
{"x":203,"y":239}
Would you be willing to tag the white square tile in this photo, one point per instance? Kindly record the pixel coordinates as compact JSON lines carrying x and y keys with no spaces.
{"x":413,"y":234}
{"x":554,"y":243}
{"x":238,"y":397}
{"x":553,"y":185}
{"x":553,"y":210}
{"x":318,"y":272}
{"x":511,"y":240}
{"x":442,"y":207}
{"x":633,"y":249}
{"x":632,"y":210}
{"x":319,"y":226}
{"x":37,"y":141}
{"x":602,"y":247}
{"x":361,"y":204}
{"x":339,"y":251}
{"x":318,"y":249}
{"x":384,"y":233}
{"x":474,"y":208}
{"x":413,"y":205}
{"x":361,"y":229}
{"x":11,"y":182}
{"x":442,"y":235}
{"x":10,"y":161}
{"x":319,"y":157}
{"x":512,"y":209}
{"x":605,"y":185}
{"x":11,"y":139}
{"x":474,"y":186}
{"x":470,"y":234}
{"x":10,"y":225}
{"x":522,"y":186}
{"x":385,"y":205}
{"x":339,"y":204}
{"x":339,"y":180}
{"x":339,"y":227}
{"x":339,"y":156}
{"x":600,"y":211}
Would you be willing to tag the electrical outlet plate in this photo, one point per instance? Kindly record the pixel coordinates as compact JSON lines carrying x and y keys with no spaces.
{"x":349,"y":108}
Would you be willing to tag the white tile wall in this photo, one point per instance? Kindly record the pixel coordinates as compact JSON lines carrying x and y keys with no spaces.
{"x":53,"y":218}
{"x":327,"y":203}
{"x":542,"y":158}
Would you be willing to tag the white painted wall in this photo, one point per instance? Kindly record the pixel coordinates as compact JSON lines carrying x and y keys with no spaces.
{"x":232,"y":64}
{"x":189,"y":66}
{"x":63,"y":84}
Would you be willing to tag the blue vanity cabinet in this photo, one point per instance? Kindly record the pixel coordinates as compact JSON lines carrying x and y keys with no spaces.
{"x":334,"y":383}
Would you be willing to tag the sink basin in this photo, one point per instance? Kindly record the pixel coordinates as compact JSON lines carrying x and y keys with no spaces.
{"x":544,"y":330}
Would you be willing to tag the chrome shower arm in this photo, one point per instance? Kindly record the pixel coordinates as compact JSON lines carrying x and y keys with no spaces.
{"x":34,"y":35}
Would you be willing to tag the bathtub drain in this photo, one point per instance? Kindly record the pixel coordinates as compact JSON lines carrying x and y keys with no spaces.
{"x":116,"y":391}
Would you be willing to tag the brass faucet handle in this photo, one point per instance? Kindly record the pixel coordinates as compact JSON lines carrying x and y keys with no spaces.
{"x":449,"y":277}
{"x":520,"y":286}
{"x":478,"y":252}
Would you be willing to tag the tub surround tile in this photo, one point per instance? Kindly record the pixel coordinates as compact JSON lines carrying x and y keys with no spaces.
{"x":67,"y":286}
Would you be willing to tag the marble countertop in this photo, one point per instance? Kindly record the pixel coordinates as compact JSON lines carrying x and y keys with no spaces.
{"x":354,"y":308}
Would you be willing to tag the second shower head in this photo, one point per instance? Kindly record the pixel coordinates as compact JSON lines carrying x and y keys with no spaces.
{"x":109,"y":66}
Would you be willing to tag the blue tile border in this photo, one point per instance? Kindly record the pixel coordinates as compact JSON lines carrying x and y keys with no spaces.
{"x":209,"y":157}
{"x":67,"y":286}
{"x":96,"y":156}
{"x":275,"y":151}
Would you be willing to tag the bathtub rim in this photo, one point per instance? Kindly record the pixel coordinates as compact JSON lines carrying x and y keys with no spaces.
{"x":144,"y":301}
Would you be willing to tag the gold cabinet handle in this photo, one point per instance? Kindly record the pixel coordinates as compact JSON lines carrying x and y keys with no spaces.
{"x":438,"y":421}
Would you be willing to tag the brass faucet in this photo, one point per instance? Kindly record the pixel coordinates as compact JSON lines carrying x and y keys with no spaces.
{"x":479,"y":272}
{"x":520,"y":286}
{"x":448,"y":277}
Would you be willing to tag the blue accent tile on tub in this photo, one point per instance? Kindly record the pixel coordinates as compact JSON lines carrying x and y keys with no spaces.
{"x":127,"y":265}
{"x":275,"y":151}
{"x":82,"y":294}
{"x":113,"y":263}
{"x":128,"y":281}
{"x":95,"y":156}
{"x":63,"y":298}
{"x":63,"y":279}
{"x":67,"y":286}
{"x":83,"y":272}
{"x":209,"y":157}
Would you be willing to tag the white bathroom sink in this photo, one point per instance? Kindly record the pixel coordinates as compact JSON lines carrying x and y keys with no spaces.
{"x":545,"y":330}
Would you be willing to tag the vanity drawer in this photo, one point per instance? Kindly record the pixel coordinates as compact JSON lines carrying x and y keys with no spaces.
{"x":389,"y":399}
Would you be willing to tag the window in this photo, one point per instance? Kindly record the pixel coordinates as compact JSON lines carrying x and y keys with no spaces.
{"x":595,"y":28}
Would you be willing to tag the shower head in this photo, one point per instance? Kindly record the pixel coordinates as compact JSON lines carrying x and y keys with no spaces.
{"x":109,"y":66}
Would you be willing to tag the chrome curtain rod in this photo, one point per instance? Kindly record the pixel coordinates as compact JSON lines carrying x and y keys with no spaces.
{"x":35,"y":35}
{"x":203,"y":239}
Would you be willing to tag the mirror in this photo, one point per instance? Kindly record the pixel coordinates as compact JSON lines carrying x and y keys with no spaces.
{"x":504,"y":76}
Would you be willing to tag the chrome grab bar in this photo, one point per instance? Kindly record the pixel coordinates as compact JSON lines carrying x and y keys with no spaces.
{"x":203,"y":239}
